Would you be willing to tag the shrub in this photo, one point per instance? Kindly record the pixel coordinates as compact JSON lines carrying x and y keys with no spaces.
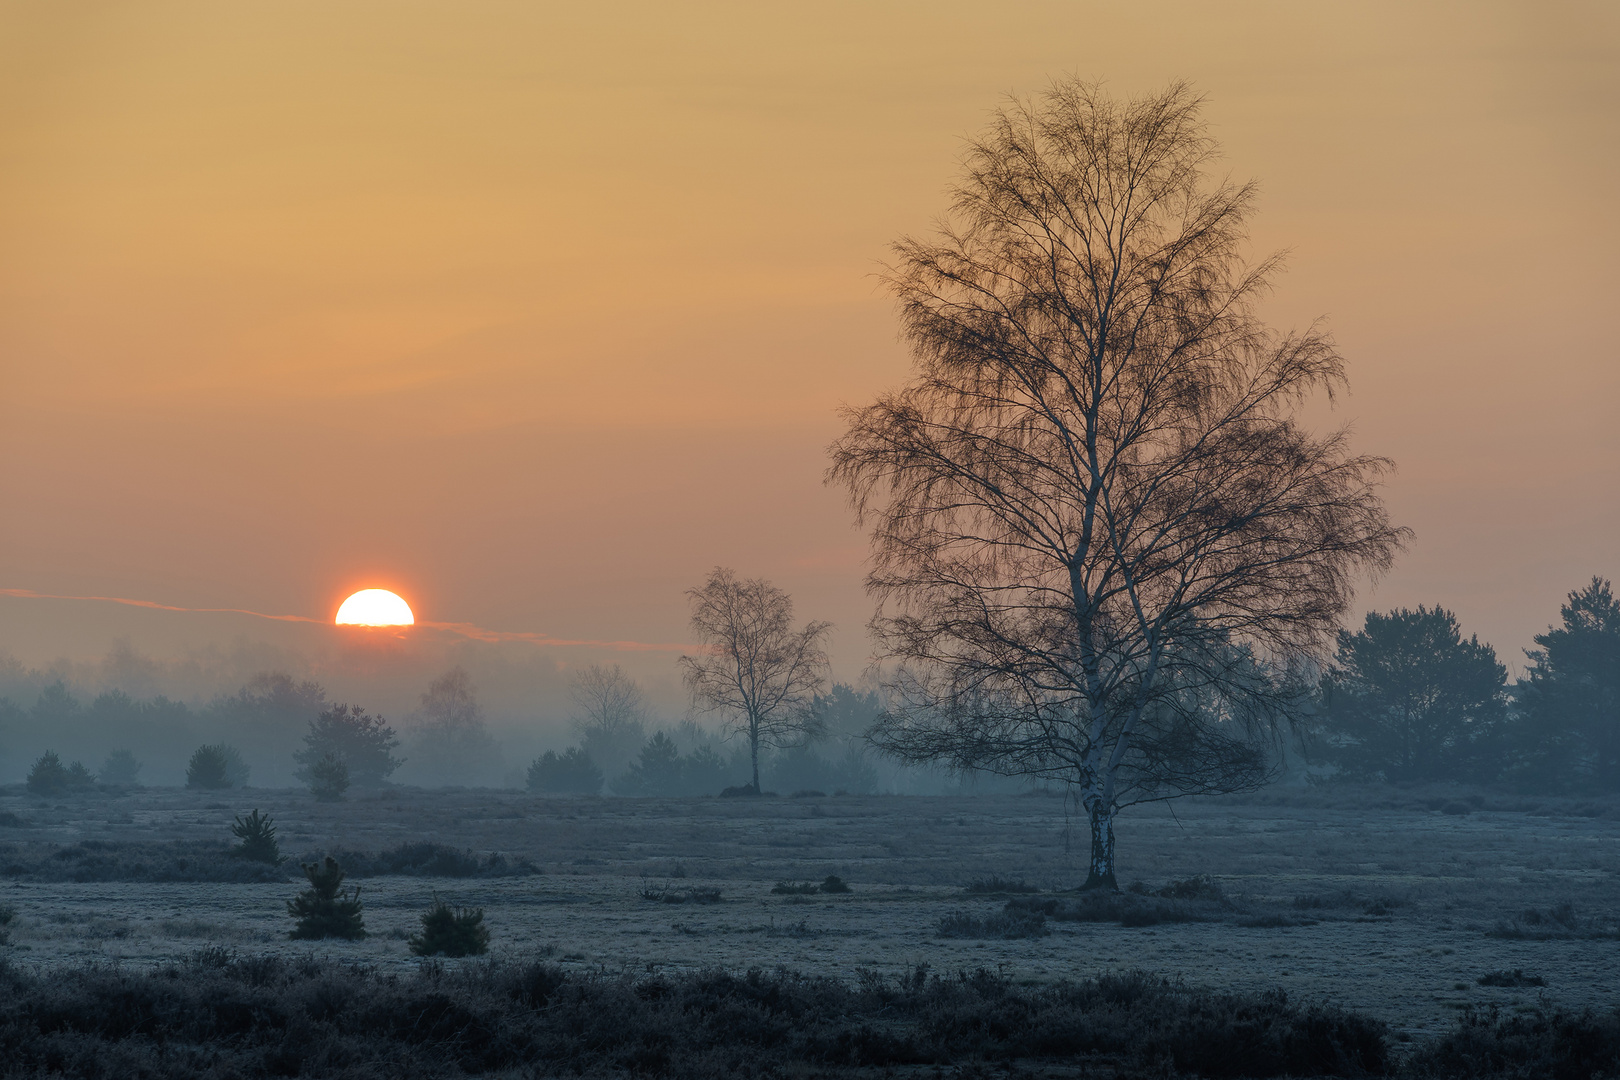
{"x":832,"y":883}
{"x":570,"y":773}
{"x":996,"y":884}
{"x":795,"y":888}
{"x":1127,"y":909}
{"x":1012,"y":923}
{"x":1557,"y":922}
{"x":50,"y":777}
{"x":451,"y":931}
{"x":739,"y":791}
{"x":258,"y":835}
{"x":120,"y":769}
{"x":216,"y":766}
{"x":329,"y":778}
{"x":665,"y":894}
{"x":1516,"y":977}
{"x":426,"y":859}
{"x":223,"y":1015}
{"x":326,"y":910}
{"x":1557,"y":1044}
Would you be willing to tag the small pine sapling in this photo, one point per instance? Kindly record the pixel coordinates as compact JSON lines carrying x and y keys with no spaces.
{"x":451,"y":931}
{"x":326,"y":910}
{"x":258,"y":835}
{"x":329,"y":778}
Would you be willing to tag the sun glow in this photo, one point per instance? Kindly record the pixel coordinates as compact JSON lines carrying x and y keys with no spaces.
{"x":375,"y":607}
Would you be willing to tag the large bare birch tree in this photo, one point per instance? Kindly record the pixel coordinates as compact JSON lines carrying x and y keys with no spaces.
{"x":1102,"y":539}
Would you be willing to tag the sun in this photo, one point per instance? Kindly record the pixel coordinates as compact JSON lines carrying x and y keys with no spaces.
{"x":375,"y":607}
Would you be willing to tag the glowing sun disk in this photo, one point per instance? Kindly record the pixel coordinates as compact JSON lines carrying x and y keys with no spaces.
{"x":375,"y":607}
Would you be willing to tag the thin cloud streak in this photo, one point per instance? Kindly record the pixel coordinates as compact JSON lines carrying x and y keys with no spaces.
{"x":29,"y":594}
{"x":466,"y":630}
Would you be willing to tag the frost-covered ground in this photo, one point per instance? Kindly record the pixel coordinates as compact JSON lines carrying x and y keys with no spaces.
{"x":1406,"y":893}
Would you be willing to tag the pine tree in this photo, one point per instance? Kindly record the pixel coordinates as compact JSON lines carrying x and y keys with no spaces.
{"x":258,"y":835}
{"x":451,"y":931}
{"x":325,"y":909}
{"x":329,"y":778}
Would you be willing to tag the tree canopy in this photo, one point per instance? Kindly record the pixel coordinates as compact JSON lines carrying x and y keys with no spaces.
{"x":1101,"y":541}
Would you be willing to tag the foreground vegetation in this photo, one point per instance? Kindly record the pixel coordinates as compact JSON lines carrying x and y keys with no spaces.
{"x":219,"y":1015}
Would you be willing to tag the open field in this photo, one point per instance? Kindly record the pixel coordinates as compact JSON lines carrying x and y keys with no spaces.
{"x":1393,"y":903}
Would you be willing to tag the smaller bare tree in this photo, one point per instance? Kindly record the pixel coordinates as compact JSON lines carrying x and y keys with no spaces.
{"x":610,"y":723}
{"x":758,"y":672}
{"x":448,"y":730}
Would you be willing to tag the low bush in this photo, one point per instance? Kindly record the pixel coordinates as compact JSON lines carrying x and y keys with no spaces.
{"x":832,"y":883}
{"x":1127,"y":909}
{"x":795,"y":888}
{"x":448,"y":931}
{"x":744,"y":791}
{"x":222,"y":1015}
{"x":121,"y":860}
{"x":1514,"y":978}
{"x":185,"y":860}
{"x":1199,"y":887}
{"x":1012,"y":923}
{"x":995,"y":885}
{"x":1559,"y":922}
{"x":1543,"y":1044}
{"x":667,"y":894}
{"x":426,"y":859}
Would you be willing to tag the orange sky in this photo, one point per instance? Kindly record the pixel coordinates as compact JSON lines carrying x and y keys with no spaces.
{"x":536,"y":314}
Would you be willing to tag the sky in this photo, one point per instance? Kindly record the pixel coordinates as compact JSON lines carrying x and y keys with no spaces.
{"x":536,"y":312}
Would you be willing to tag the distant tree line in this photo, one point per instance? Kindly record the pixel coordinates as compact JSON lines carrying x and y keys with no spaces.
{"x":288,"y":729}
{"x":618,"y":754}
{"x":1408,"y":698}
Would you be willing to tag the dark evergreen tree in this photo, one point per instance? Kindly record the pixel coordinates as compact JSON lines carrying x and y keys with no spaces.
{"x":364,"y":744}
{"x":570,"y":773}
{"x":1568,"y":732}
{"x":50,"y":777}
{"x":325,"y":909}
{"x":1409,"y":699}
{"x":121,"y":769}
{"x":656,"y":770}
{"x":329,"y":778}
{"x":451,"y":931}
{"x":210,"y":767}
{"x":705,"y":771}
{"x":257,"y":833}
